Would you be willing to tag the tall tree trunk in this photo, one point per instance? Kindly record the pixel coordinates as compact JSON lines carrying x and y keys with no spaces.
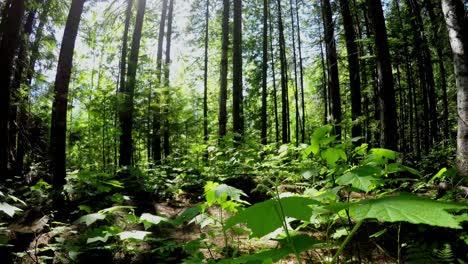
{"x":126,"y":111}
{"x":237,"y":97}
{"x":427,"y":73}
{"x":123,"y":60}
{"x":437,"y":43}
{"x":353,"y":67}
{"x":157,"y":111}
{"x":263,"y":134}
{"x":4,"y":17}
{"x":205,"y":75}
{"x":17,"y":111}
{"x":301,"y":73}
{"x":296,"y":92}
{"x":8,"y":46}
{"x":284,"y":79}
{"x":273,"y":74}
{"x":332,"y":58}
{"x":386,"y":92}
{"x":58,"y":127}
{"x":166,"y":143}
{"x":222,"y":130}
{"x":37,"y":39}
{"x":456,"y":18}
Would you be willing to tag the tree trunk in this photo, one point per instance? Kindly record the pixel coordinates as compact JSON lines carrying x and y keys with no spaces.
{"x":456,"y":18}
{"x":386,"y":92}
{"x":237,"y":97}
{"x":17,"y":111}
{"x":4,"y":17}
{"x":126,"y":112}
{"x":353,"y":67}
{"x":58,"y":127}
{"x":205,"y":75}
{"x":284,"y":79}
{"x":124,"y":161}
{"x":157,"y":111}
{"x":8,"y":46}
{"x":296,"y":92}
{"x":332,"y":58}
{"x":301,"y":74}
{"x":263,"y":134}
{"x":273,"y":73}
{"x":166,"y":143}
{"x":222,"y":130}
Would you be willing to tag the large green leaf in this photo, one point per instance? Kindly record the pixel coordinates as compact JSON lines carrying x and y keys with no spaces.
{"x":90,"y":218}
{"x":149,"y":220}
{"x":332,"y":155}
{"x":318,"y":136}
{"x":264,"y":218}
{"x":8,"y":209}
{"x":362,"y":178}
{"x":408,"y":208}
{"x":135,"y":234}
{"x":381,"y":156}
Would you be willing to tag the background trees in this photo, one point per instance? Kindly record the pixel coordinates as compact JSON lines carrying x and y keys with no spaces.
{"x":386,"y":78}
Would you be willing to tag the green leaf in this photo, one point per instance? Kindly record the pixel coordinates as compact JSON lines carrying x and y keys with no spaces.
{"x":263,"y":218}
{"x":381,"y":156}
{"x":149,"y":220}
{"x":332,"y":155}
{"x":99,"y":238}
{"x":408,"y":208}
{"x":187,"y":215}
{"x":361,"y":178}
{"x":89,"y":219}
{"x":230,"y":191}
{"x":438,"y":175}
{"x":318,"y":136}
{"x":8,"y":209}
{"x":135,"y":234}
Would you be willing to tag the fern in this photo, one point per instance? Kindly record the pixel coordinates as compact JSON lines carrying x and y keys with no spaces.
{"x":424,"y":254}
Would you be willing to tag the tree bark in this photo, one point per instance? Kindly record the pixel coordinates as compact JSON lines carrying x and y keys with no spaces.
{"x":296,"y":92}
{"x":273,"y":73}
{"x":386,"y":92}
{"x":284,"y":79}
{"x":205,"y":75}
{"x":332,"y":58}
{"x":58,"y":127}
{"x":166,"y":133}
{"x":301,"y":74}
{"x":126,"y":112}
{"x":237,"y":97}
{"x":222,"y":130}
{"x":263,"y":134}
{"x":157,"y":111}
{"x":9,"y":44}
{"x":353,"y":67}
{"x":456,"y":18}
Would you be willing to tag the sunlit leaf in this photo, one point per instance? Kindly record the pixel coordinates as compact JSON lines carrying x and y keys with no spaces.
{"x":89,"y":219}
{"x":135,"y":234}
{"x":8,"y":209}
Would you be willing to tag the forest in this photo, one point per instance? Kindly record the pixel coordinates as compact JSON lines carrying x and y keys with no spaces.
{"x":230,"y":131}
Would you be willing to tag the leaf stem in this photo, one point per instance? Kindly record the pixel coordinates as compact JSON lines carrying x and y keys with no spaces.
{"x":348,"y":238}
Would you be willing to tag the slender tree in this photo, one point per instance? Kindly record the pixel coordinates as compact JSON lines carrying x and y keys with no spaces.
{"x":58,"y":127}
{"x":353,"y":66}
{"x":386,"y":92}
{"x":284,"y":79}
{"x":222,"y":130}
{"x":273,"y":73}
{"x":263,"y":135}
{"x":205,"y":74}
{"x":296,"y":92}
{"x":332,"y":59}
{"x":157,"y":111}
{"x":301,"y":72}
{"x":166,"y":134}
{"x":126,"y":111}
{"x":237,"y":97}
{"x":456,"y":18}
